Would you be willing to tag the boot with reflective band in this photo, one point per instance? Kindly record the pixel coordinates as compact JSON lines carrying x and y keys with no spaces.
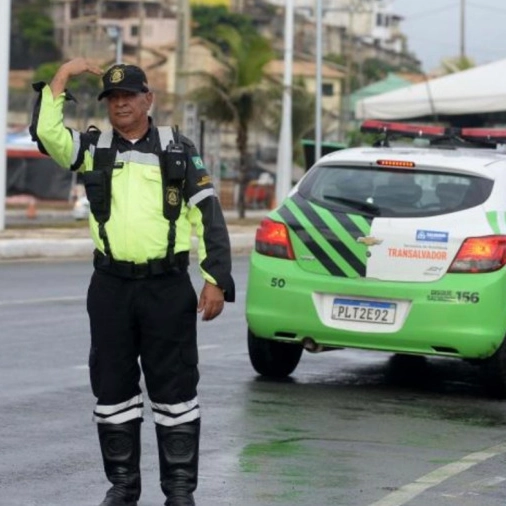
{"x":178,"y":449}
{"x":120,"y":446}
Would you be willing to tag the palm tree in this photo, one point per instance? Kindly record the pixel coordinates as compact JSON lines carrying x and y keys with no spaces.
{"x":237,"y":94}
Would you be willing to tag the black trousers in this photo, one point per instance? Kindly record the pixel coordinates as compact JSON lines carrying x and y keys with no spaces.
{"x":147,"y":323}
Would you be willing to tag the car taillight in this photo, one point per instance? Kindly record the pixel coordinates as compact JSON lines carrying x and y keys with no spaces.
{"x":480,"y":254}
{"x":272,"y":239}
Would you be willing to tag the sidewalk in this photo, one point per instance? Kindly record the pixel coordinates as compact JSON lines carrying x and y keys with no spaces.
{"x":44,"y":241}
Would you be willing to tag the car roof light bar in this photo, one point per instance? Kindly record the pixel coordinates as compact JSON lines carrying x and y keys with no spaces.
{"x":403,"y":129}
{"x":437,"y":135}
{"x":495,"y":135}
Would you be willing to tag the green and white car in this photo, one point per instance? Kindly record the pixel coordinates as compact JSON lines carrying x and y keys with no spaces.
{"x":397,"y":248}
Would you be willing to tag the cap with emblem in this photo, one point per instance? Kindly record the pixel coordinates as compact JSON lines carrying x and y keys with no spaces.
{"x":124,"y":77}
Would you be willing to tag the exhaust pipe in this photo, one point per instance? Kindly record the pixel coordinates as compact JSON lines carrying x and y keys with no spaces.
{"x":309,"y":344}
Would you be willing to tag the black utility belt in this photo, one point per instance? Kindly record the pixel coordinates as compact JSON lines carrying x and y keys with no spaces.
{"x":150,"y":269}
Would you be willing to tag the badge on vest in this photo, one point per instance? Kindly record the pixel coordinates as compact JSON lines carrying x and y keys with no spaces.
{"x":172,"y":196}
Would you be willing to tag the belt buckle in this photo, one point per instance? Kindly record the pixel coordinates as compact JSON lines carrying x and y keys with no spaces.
{"x":140,"y":271}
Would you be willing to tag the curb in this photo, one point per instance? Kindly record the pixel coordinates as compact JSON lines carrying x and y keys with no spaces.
{"x":40,"y":248}
{"x":13,"y":249}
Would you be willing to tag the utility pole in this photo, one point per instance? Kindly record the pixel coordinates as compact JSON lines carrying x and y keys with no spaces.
{"x":5,"y":14}
{"x":318,"y":104}
{"x":66,"y":28}
{"x":140,"y":35}
{"x":462,"y":29}
{"x":350,"y":57}
{"x":119,"y":44}
{"x":115,"y":33}
{"x":183,"y":41}
{"x":285,"y":148}
{"x":354,"y":7}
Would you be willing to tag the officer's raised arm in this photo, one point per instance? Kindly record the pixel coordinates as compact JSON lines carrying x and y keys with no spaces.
{"x":70,"y":69}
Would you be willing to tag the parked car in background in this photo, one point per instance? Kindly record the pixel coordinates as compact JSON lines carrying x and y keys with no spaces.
{"x":260,"y":192}
{"x":396,"y":248}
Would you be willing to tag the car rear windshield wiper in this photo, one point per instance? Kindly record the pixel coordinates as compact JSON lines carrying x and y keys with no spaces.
{"x":359,"y":205}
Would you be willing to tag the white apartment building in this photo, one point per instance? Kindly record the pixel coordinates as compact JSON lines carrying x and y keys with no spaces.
{"x":373,"y":21}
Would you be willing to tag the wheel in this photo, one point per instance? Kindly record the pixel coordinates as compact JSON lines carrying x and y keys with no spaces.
{"x":494,"y":372}
{"x":272,"y":358}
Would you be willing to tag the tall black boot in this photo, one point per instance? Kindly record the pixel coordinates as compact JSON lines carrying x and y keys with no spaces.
{"x":178,"y":449}
{"x":121,"y":450}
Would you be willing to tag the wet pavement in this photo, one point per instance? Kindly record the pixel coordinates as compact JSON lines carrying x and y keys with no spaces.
{"x":349,"y":428}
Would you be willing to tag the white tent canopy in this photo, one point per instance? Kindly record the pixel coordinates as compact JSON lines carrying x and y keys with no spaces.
{"x":478,"y":90}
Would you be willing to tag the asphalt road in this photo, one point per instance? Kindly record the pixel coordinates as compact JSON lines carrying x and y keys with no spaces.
{"x":348,"y":429}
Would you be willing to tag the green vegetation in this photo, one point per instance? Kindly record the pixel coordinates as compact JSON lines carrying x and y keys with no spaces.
{"x":32,"y":34}
{"x":357,"y":138}
{"x":207,"y":18}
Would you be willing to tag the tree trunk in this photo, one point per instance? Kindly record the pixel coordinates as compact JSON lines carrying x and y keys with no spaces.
{"x":242,"y":148}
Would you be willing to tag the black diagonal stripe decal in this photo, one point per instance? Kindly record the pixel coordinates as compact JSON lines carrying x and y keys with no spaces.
{"x":315,"y":249}
{"x":350,"y":225}
{"x":339,"y":246}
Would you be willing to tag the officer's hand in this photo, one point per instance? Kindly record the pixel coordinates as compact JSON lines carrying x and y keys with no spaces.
{"x":211,"y":301}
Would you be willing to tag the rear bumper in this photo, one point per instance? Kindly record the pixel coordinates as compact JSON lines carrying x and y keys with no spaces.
{"x":441,"y":317}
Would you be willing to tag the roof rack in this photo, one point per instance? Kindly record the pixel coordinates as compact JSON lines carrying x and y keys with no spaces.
{"x":437,"y":135}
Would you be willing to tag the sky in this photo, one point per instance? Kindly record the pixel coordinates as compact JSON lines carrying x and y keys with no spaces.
{"x":433,"y":29}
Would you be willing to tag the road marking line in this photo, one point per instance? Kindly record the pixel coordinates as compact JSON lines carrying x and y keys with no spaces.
{"x":477,"y":485}
{"x":42,"y":300}
{"x":407,"y":492}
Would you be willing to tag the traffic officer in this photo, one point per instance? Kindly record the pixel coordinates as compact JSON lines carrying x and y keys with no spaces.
{"x":148,"y":188}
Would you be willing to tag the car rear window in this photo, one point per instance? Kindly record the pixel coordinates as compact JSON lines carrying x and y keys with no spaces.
{"x":394,"y":193}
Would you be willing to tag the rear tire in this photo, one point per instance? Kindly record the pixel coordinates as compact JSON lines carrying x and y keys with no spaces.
{"x":272,"y":358}
{"x":494,"y":372}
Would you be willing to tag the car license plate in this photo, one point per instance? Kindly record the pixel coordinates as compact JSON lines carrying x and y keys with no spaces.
{"x":366,"y":311}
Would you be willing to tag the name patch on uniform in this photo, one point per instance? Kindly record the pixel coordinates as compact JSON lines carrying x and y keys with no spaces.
{"x":198,"y":162}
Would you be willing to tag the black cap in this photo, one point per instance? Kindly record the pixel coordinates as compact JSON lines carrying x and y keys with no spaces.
{"x":124,"y":77}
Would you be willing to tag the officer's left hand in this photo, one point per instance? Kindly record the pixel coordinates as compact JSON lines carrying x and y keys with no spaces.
{"x":211,"y":301}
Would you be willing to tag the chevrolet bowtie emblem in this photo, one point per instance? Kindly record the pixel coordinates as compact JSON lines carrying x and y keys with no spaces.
{"x":369,"y":241}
